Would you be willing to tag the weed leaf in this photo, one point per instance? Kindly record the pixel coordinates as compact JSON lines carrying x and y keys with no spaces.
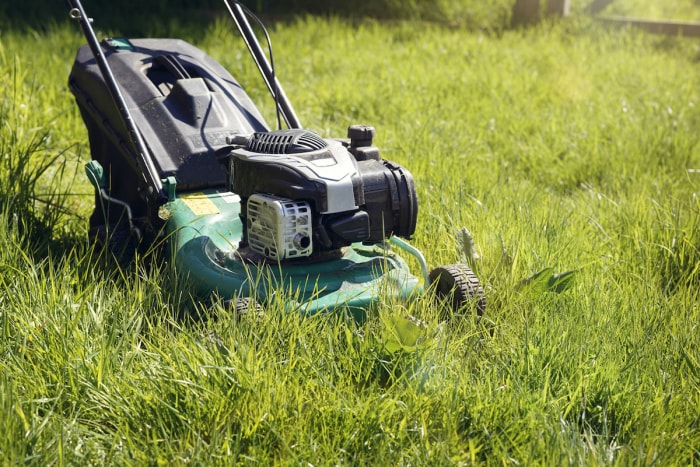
{"x":546,"y":281}
{"x":560,"y":282}
{"x":401,"y":334}
{"x":538,"y":280}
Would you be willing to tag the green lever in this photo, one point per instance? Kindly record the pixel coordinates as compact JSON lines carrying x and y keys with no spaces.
{"x":96,"y":175}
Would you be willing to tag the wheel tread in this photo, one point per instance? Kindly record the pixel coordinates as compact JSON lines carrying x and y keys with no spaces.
{"x":458,"y":282}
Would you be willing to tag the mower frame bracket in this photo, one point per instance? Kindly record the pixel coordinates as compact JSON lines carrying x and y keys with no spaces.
{"x":169,"y":186}
{"x":415,"y":252}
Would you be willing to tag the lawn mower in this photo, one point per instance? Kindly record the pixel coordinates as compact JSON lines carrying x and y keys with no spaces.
{"x":182,"y":157}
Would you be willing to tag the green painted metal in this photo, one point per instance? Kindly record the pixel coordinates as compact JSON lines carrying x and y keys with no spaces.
{"x":170,"y":185}
{"x":95,"y":174}
{"x":119,"y":43}
{"x":204,"y":229}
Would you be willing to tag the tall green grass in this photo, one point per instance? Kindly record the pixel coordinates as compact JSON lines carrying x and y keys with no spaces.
{"x":566,"y":147}
{"x":33,"y":171}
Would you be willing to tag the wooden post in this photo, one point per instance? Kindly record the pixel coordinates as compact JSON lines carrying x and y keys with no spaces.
{"x":525,"y":12}
{"x":668,"y":27}
{"x":558,"y":8}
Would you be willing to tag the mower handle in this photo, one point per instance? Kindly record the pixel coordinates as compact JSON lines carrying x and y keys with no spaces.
{"x":266,"y":70}
{"x":144,"y":163}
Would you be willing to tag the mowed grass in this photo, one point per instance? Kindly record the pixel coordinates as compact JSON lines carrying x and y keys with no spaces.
{"x":566,"y":147}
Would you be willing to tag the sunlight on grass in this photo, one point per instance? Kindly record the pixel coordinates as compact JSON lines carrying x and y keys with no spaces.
{"x":564,"y":150}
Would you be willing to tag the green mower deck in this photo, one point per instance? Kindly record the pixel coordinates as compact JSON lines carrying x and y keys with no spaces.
{"x":204,"y":228}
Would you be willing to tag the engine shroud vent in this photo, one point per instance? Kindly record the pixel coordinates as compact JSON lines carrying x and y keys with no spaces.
{"x":285,"y":142}
{"x":279,"y":228}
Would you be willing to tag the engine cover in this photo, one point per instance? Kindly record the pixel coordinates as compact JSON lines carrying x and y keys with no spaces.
{"x":352,"y":195}
{"x":297,"y":165}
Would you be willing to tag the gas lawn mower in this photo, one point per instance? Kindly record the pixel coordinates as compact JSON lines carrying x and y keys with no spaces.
{"x":181,"y":155}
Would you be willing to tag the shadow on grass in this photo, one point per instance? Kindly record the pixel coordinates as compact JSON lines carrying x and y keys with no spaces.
{"x":131,"y":17}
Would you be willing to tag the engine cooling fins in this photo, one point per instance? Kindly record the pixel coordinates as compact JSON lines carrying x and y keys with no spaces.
{"x":285,"y":142}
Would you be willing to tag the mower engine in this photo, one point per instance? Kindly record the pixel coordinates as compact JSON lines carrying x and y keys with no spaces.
{"x":306,"y":197}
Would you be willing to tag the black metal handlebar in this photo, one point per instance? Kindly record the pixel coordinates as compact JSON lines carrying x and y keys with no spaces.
{"x":153,"y":184}
{"x":267,"y":72}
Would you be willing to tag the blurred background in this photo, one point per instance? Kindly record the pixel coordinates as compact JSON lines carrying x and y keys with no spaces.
{"x":148,"y":17}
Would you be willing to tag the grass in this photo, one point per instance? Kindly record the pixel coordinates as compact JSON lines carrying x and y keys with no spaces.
{"x":566,"y":147}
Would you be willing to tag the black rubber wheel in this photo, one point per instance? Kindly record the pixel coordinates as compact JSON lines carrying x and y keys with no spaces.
{"x":459,"y":286}
{"x":242,"y":305}
{"x":115,"y":240}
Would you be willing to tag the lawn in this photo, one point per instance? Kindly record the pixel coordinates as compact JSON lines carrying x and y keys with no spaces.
{"x":567,"y":148}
